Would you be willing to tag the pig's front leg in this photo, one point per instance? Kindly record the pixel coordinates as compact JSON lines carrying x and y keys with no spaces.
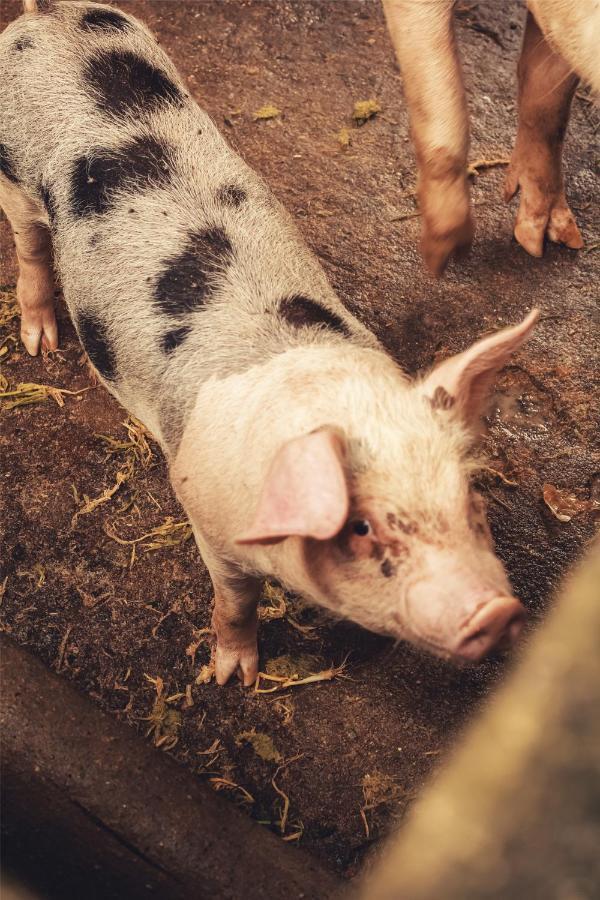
{"x":546,"y":88}
{"x":235,"y":622}
{"x":423,"y":37}
{"x":234,"y":618}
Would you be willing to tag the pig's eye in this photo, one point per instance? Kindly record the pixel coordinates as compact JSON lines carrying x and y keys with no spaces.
{"x":361,"y":527}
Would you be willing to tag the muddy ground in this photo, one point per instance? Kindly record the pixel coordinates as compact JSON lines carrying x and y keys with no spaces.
{"x":70,"y":591}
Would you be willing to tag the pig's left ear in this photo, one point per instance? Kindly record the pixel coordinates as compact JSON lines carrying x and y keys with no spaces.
{"x":464,"y":381}
{"x":305,"y":491}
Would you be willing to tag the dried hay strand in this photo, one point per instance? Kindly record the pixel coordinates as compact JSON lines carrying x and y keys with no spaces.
{"x":168,"y":534}
{"x":26,"y":393}
{"x":164,"y":721}
{"x":296,"y":678}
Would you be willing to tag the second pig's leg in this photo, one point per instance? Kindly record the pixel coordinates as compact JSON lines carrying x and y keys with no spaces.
{"x":35,"y":284}
{"x":423,"y":37}
{"x":546,"y":88}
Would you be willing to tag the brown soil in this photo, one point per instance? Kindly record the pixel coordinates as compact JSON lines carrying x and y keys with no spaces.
{"x":70,"y":592}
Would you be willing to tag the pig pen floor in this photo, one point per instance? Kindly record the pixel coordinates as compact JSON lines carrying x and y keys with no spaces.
{"x":351,"y":753}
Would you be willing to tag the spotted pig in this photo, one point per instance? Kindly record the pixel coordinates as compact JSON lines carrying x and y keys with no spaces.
{"x":298,"y":448}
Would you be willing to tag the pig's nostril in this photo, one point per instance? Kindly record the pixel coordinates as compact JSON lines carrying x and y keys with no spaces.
{"x":497,"y":624}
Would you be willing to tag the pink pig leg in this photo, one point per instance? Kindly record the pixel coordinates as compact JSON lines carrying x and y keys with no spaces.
{"x":546,"y":88}
{"x":235,"y":622}
{"x":35,"y":284}
{"x":424,"y":41}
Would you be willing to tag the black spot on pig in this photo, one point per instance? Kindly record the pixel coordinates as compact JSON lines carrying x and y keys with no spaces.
{"x":24,"y":43}
{"x":49,"y":201}
{"x":301,"y":311}
{"x":104,"y":20}
{"x":125,"y":85}
{"x":388,"y":569}
{"x":93,"y":335}
{"x":173,"y":339}
{"x":231,"y":195}
{"x":6,"y":164}
{"x":101,"y":175}
{"x":187,"y":278}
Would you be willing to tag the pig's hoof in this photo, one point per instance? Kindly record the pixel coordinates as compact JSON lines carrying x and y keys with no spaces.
{"x":542,"y":214}
{"x":39,"y":331}
{"x":437,"y":246}
{"x":242,"y":661}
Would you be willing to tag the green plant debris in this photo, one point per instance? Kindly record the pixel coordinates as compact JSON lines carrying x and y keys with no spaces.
{"x":285,"y":672}
{"x":165,"y":722}
{"x":87,"y":505}
{"x":26,"y":393}
{"x":261,"y":743}
{"x":137,"y":442}
{"x":266,"y":112}
{"x":475,"y":167}
{"x":378,"y":789}
{"x":344,"y":139}
{"x":169,"y":534}
{"x":365,"y":110}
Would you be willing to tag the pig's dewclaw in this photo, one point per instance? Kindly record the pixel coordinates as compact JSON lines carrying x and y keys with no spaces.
{"x":242,"y":661}
{"x":541,"y":214}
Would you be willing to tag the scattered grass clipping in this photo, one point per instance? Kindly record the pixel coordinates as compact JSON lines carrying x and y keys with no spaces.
{"x":378,"y":790}
{"x":9,"y":308}
{"x":272,"y":603}
{"x":169,"y":534}
{"x":26,"y":393}
{"x":365,"y":110}
{"x":261,"y":743}
{"x":224,"y":784}
{"x":266,"y":112}
{"x":165,"y":722}
{"x":87,"y":505}
{"x":344,"y":139}
{"x":285,"y":806}
{"x":286,"y":672}
{"x":137,"y":442}
{"x":478,"y":165}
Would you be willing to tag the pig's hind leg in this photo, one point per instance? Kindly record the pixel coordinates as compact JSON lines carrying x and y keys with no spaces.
{"x":546,"y":88}
{"x":35,"y":284}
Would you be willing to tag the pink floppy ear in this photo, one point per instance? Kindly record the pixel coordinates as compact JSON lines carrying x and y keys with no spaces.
{"x":464,"y":381}
{"x":305,"y":491}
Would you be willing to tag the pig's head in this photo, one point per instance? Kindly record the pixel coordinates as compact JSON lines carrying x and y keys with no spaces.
{"x":381,"y":523}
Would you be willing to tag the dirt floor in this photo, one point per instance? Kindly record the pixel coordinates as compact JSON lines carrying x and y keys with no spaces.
{"x":356,"y":749}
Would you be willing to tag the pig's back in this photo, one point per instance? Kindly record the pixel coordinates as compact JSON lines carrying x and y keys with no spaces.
{"x":175,"y":260}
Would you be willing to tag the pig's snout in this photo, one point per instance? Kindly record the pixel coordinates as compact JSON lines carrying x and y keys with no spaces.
{"x":497,"y":624}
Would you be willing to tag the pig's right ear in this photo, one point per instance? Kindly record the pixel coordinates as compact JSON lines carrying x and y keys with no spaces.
{"x":463,"y":382}
{"x":305,"y":491}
